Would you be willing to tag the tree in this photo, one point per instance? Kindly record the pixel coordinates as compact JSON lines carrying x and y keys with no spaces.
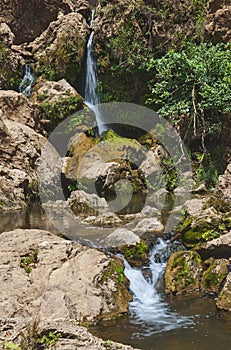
{"x":193,"y":84}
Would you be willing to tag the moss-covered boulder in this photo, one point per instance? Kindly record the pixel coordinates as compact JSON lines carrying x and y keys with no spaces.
{"x":108,"y":159}
{"x":207,"y":224}
{"x":10,"y":68}
{"x":183,"y":272}
{"x":55,"y":101}
{"x":224,"y":299}
{"x":215,"y":272}
{"x":60,"y":49}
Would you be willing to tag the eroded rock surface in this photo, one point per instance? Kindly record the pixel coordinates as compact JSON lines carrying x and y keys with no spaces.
{"x":47,"y":276}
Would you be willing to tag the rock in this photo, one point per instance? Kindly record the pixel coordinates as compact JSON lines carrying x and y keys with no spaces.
{"x":217,"y":248}
{"x":104,"y":220}
{"x":55,"y":101}
{"x":207,"y":218}
{"x":214,"y":275}
{"x":217,"y":24}
{"x":201,"y":189}
{"x":222,"y":194}
{"x":120,"y":237}
{"x":6,"y":35}
{"x":102,"y":162}
{"x":19,"y":151}
{"x":224,"y":299}
{"x":150,"y":165}
{"x":59,"y":50}
{"x":29,"y":20}
{"x":194,"y":206}
{"x":149,"y":225}
{"x":68,"y":334}
{"x":149,"y":211}
{"x":52,"y":278}
{"x":17,"y":108}
{"x":82,"y":202}
{"x":11,"y":67}
{"x":203,"y":228}
{"x":183,"y":272}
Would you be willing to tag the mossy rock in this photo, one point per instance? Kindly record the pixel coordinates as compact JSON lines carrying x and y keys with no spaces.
{"x":224,"y":298}
{"x":136,"y":255}
{"x":61,"y":108}
{"x":11,"y":70}
{"x":183,"y":272}
{"x":193,"y":236}
{"x":214,"y":275}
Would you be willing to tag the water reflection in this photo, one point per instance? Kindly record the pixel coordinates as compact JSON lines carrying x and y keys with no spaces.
{"x":32,"y":217}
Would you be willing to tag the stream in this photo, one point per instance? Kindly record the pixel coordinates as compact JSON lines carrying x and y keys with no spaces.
{"x":155,"y":321}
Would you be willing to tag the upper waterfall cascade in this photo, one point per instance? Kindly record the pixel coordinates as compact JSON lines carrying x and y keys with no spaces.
{"x":91,"y":97}
{"x":25,"y":86}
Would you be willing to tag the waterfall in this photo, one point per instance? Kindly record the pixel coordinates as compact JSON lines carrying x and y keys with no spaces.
{"x":91,"y":97}
{"x":148,"y":306}
{"x":25,"y":86}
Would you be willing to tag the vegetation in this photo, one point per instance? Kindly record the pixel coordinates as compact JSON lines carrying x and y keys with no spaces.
{"x":28,"y":262}
{"x":9,"y":69}
{"x":58,"y":110}
{"x":114,"y":271}
{"x":66,"y":62}
{"x":193,"y":83}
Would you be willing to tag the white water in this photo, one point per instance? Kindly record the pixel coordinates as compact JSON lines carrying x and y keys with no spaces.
{"x":148,"y":306}
{"x":91,"y":97}
{"x":25,"y":86}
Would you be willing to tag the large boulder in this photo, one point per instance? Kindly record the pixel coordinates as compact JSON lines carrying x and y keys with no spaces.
{"x":103,"y":161}
{"x":59,"y":50}
{"x":56,"y":101}
{"x":17,"y":108}
{"x":82,"y":202}
{"x":219,"y":247}
{"x":52,"y":278}
{"x":20,"y":149}
{"x":215,"y":271}
{"x":183,"y":272}
{"x":120,"y":237}
{"x":224,"y":299}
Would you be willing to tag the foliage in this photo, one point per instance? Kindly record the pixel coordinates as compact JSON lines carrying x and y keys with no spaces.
{"x":50,"y":339}
{"x":114,"y":271}
{"x":8,"y":346}
{"x":58,"y":110}
{"x":206,"y":171}
{"x":64,"y":61}
{"x":29,"y":261}
{"x":9,"y":69}
{"x":193,"y":81}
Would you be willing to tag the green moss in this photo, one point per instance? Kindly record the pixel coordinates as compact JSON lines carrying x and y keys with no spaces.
{"x":60,"y":109}
{"x":28,"y":261}
{"x":214,"y":274}
{"x":137,"y":254}
{"x":66,"y":60}
{"x":195,"y":236}
{"x":10,"y":70}
{"x":114,"y":271}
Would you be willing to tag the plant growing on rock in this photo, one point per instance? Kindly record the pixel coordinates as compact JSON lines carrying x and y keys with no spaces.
{"x":29,"y":261}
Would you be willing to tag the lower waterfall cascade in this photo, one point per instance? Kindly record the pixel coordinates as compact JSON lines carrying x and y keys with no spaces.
{"x":148,"y":305}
